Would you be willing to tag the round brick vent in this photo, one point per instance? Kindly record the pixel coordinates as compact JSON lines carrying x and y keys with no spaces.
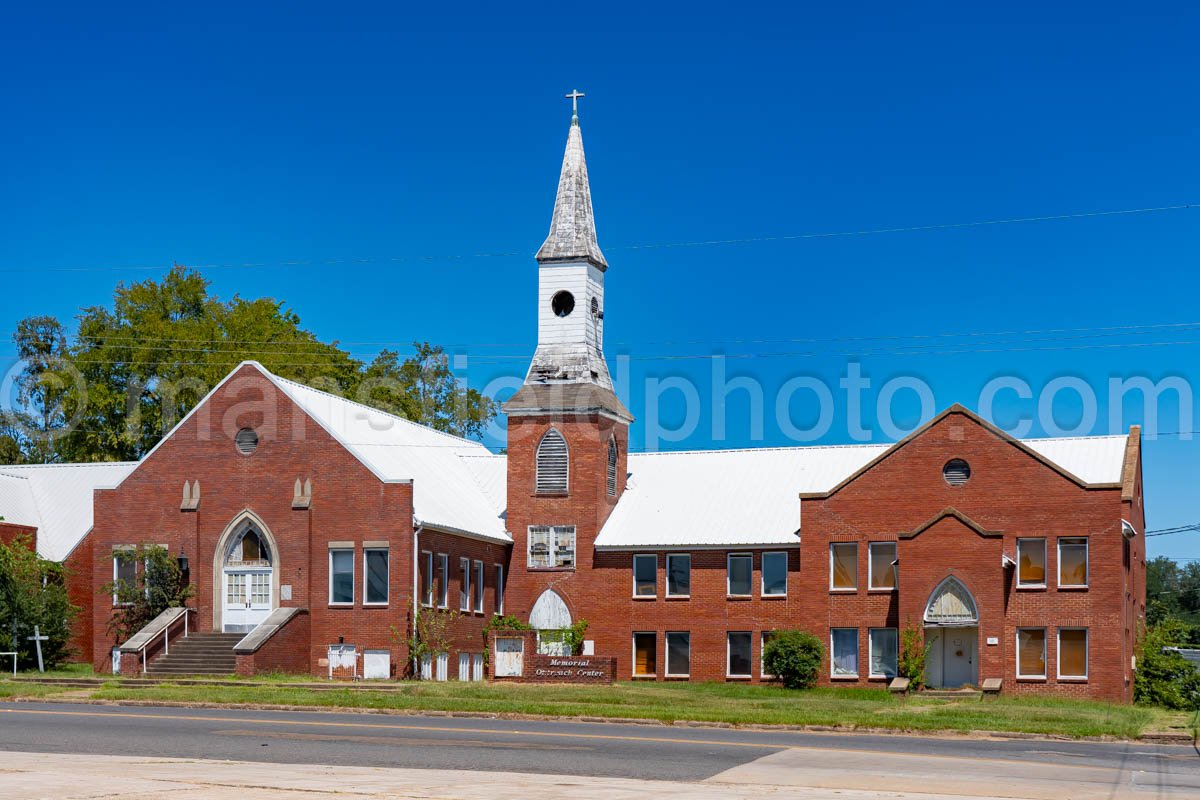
{"x":246,"y":441}
{"x":956,"y":472}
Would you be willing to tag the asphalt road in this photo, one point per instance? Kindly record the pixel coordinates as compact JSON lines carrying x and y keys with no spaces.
{"x":562,"y":748}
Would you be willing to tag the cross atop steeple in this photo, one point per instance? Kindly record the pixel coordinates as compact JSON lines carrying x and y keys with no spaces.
{"x":574,"y":98}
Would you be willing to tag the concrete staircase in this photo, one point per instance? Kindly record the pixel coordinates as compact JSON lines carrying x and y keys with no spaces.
{"x":198,"y":654}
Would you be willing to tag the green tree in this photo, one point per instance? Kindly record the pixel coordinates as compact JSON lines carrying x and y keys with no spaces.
{"x":424,"y":389}
{"x":1164,"y":677}
{"x":1173,"y":591}
{"x":159,"y":584}
{"x":33,"y":593}
{"x":794,"y":658}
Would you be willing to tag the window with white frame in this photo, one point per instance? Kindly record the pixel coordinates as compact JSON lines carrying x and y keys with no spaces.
{"x":843,"y":566}
{"x":1073,"y":653}
{"x":645,"y":654}
{"x":679,"y":575}
{"x":341,"y":577}
{"x":464,"y":586}
{"x":739,"y":574}
{"x":767,"y":636}
{"x":881,"y":570}
{"x":553,"y":462}
{"x":1031,"y":652}
{"x":426,"y":578}
{"x":774,"y":574}
{"x":843,"y":652}
{"x":443,"y":666}
{"x":499,"y":605}
{"x":124,"y":576}
{"x":552,"y":546}
{"x":1073,"y":562}
{"x":645,"y":575}
{"x":884,"y":644}
{"x":464,"y":666}
{"x":679,"y":654}
{"x":375,"y":580}
{"x":738,"y":651}
{"x":443,"y":580}
{"x":478,"y":605}
{"x":1031,"y":562}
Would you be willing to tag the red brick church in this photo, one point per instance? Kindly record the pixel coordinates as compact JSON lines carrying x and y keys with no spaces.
{"x":315,"y":530}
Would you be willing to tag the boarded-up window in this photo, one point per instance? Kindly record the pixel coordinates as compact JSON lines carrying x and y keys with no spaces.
{"x":1031,"y":562}
{"x":612,"y":467}
{"x":843,"y":565}
{"x":882,"y":573}
{"x":1072,"y":652}
{"x":679,"y":575}
{"x":1073,"y":562}
{"x":679,"y":654}
{"x":843,"y":649}
{"x":1031,"y":652}
{"x":739,"y":571}
{"x":739,"y":645}
{"x":552,"y":463}
{"x":645,"y":575}
{"x":645,"y":651}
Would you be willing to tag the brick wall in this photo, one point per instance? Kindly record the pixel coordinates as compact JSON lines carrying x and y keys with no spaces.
{"x":286,"y":651}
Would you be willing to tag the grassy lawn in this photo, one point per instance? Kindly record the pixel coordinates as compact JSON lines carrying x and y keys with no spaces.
{"x":668,"y":702}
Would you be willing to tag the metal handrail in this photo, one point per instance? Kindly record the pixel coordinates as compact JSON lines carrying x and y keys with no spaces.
{"x":181,"y":611}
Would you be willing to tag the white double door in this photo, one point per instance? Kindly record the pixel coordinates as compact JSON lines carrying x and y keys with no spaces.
{"x":247,"y":599}
{"x":952,"y":657}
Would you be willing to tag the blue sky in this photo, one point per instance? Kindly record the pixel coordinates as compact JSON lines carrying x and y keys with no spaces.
{"x":391,"y":174}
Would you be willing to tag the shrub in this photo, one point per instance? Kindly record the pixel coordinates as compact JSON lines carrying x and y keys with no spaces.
{"x":1164,"y":677}
{"x":33,"y":593}
{"x":794,"y":658}
{"x":912,"y":656}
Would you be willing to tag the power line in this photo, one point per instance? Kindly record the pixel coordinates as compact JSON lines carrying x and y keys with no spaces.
{"x":1192,"y":528}
{"x":293,"y":263}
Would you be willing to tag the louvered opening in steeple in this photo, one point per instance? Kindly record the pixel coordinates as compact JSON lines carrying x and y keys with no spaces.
{"x":552,"y":464}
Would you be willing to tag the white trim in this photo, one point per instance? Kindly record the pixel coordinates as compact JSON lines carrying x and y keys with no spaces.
{"x":1045,"y":565}
{"x":341,"y":603}
{"x":667,"y":654}
{"x":387,"y":580}
{"x":833,"y":588}
{"x":729,"y":577}
{"x":633,"y":663}
{"x":667,"y":576}
{"x":762,"y":584}
{"x":833,"y":673}
{"x":1087,"y":653}
{"x":729,"y":652}
{"x":636,"y":594}
{"x":1074,"y":541}
{"x":626,"y":548}
{"x":871,"y":673}
{"x":871,"y":587}
{"x":427,"y":589}
{"x":1017,"y":648}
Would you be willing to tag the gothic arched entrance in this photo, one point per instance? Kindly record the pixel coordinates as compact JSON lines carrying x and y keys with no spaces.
{"x":951,"y":636}
{"x":551,"y":618}
{"x":245,"y":589}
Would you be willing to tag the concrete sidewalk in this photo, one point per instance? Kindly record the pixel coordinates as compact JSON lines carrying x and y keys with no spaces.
{"x":79,"y":777}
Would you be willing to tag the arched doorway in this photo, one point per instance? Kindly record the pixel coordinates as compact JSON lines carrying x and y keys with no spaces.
{"x":951,"y":636}
{"x":245,"y":566}
{"x":551,"y":618}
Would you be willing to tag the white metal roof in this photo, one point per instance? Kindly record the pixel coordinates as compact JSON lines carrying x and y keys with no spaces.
{"x":57,"y":500}
{"x":743,"y":498}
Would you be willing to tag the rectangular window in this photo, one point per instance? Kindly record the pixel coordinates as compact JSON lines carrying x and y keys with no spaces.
{"x":739,"y":573}
{"x":124,"y":576}
{"x":426,"y":578}
{"x":679,"y":575}
{"x":464,"y":666}
{"x":843,"y":566}
{"x":464,"y":590}
{"x":645,"y":575}
{"x":843,"y":648}
{"x":885,"y":652}
{"x":1073,"y":562}
{"x":1072,"y":652}
{"x":1031,"y":652}
{"x":479,"y":587}
{"x":679,"y":654}
{"x":645,"y":654}
{"x":552,"y":546}
{"x":443,"y":580}
{"x":774,"y":574}
{"x":1031,"y":562}
{"x":341,"y":577}
{"x":738,"y":645}
{"x":375,"y":568}
{"x":767,"y":636}
{"x":880,"y":572}
{"x":499,"y":608}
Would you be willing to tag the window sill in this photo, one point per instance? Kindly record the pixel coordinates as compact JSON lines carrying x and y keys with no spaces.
{"x":1072,"y":588}
{"x":341,"y":605}
{"x":1031,"y":678}
{"x":774,"y":596}
{"x":1031,"y":587}
{"x":881,"y":590}
{"x":645,"y":597}
{"x":739,"y":597}
{"x":843,"y":677}
{"x":550,"y":494}
{"x":853,"y":590}
{"x":678,"y":597}
{"x":739,"y":677}
{"x":679,"y":677}
{"x":645,"y":677}
{"x":381,"y":605}
{"x":550,"y":569}
{"x":1072,"y":679}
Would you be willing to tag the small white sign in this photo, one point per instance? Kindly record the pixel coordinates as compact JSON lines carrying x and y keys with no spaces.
{"x":993,"y":640}
{"x":285,"y":591}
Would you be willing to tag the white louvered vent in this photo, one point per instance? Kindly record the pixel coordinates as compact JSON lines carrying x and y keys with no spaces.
{"x":612,"y":467}
{"x":552,"y":463}
{"x":956,"y":472}
{"x":246,"y":441}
